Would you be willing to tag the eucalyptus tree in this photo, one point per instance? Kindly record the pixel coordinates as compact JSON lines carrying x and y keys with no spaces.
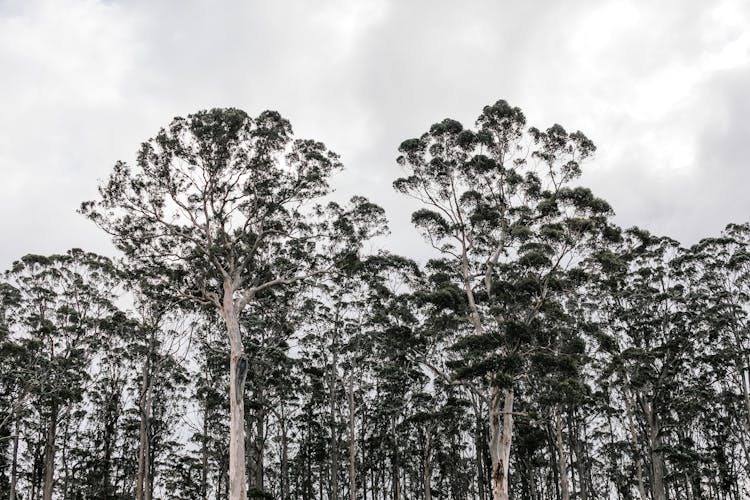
{"x":270,"y":326}
{"x":223,"y":206}
{"x":13,"y":390}
{"x":643,"y":304}
{"x":722,"y":286}
{"x":64,"y":304}
{"x":497,"y":202}
{"x":211,"y":381}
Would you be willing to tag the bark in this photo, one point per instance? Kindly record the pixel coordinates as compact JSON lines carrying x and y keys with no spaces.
{"x":204,"y":455}
{"x":427,"y":473}
{"x":143,"y":483}
{"x":352,"y":445}
{"x":634,"y":441}
{"x":395,"y":483}
{"x":237,"y":375}
{"x":14,"y":463}
{"x":501,"y":435}
{"x":49,"y":453}
{"x":332,"y":416}
{"x":581,"y":456}
{"x":657,"y":455}
{"x":284,"y":457}
{"x":478,"y":456}
{"x":64,"y":458}
{"x":657,"y":461}
{"x":260,"y":441}
{"x":561,"y":461}
{"x":255,"y":443}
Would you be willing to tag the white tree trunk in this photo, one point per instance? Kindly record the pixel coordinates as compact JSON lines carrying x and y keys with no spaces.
{"x":237,"y":375}
{"x":501,"y":435}
{"x":561,"y":461}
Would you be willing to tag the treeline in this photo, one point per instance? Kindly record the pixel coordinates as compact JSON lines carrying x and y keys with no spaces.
{"x":245,"y":345}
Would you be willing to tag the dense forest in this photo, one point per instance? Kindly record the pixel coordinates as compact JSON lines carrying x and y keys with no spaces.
{"x":247,"y":342}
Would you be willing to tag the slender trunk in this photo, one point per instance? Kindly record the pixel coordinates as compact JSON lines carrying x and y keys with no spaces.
{"x":395,"y":483}
{"x":204,"y":455}
{"x":479,"y":450}
{"x":260,"y":440}
{"x":237,"y":375}
{"x":532,"y":479}
{"x":580,"y":443}
{"x":49,"y":454}
{"x":255,"y":440}
{"x":14,"y":463}
{"x":657,"y":455}
{"x":634,"y":441}
{"x":64,"y":458}
{"x":427,"y":465}
{"x":352,"y":445}
{"x":143,"y":485}
{"x":334,"y":434}
{"x":284,"y":457}
{"x":561,"y":462}
{"x":657,"y":462}
{"x":501,"y":435}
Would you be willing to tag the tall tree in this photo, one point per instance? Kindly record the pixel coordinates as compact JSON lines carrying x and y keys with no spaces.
{"x":222,"y":205}
{"x":64,"y":307}
{"x":493,"y":196}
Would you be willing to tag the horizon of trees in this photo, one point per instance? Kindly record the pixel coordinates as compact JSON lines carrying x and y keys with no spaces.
{"x":245,"y":345}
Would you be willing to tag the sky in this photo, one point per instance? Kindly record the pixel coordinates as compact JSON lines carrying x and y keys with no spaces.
{"x":660,"y":87}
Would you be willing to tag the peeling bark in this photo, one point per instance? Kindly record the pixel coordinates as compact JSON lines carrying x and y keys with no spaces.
{"x":501,"y":435}
{"x":237,"y":375}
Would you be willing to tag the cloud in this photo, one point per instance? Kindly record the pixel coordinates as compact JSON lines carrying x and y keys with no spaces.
{"x":658,"y":86}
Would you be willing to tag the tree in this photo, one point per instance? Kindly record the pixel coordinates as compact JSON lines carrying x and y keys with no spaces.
{"x":497,"y":201}
{"x":64,"y":305}
{"x":222,"y":206}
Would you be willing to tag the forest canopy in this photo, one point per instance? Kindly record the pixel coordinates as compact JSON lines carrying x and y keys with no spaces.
{"x":245,"y":342}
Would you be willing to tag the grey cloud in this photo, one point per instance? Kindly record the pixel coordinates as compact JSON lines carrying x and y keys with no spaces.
{"x":655,"y":85}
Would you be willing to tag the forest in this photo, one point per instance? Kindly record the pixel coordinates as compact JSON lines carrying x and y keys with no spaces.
{"x":255,"y":339}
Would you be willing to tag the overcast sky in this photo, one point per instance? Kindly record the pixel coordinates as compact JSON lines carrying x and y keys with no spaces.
{"x":663,"y":89}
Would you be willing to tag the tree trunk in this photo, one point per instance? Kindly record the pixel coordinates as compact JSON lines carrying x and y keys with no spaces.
{"x":395,"y":483}
{"x":237,"y":375}
{"x":352,"y":445}
{"x":204,"y":455}
{"x":561,"y":462}
{"x":14,"y":463}
{"x":657,"y":462}
{"x":260,"y":440}
{"x":501,"y":435}
{"x":255,"y":440}
{"x":284,"y":457}
{"x":143,"y":490}
{"x":332,"y":416}
{"x":657,"y":455}
{"x":634,"y":441}
{"x":427,"y":472}
{"x":49,"y":454}
{"x":532,"y":479}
